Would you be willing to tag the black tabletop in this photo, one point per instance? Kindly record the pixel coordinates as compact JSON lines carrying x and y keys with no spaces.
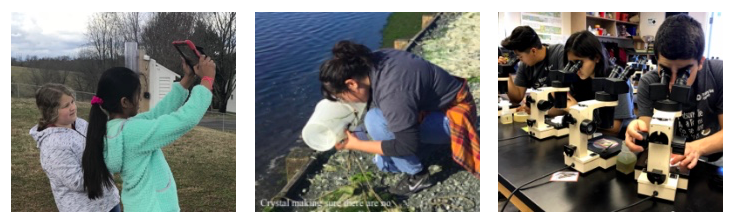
{"x":524,"y":159}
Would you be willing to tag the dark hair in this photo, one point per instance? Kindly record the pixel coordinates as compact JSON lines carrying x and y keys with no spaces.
{"x":522,"y":39}
{"x":114,"y":84}
{"x":680,"y":37}
{"x":350,"y":61}
{"x":585,"y":44}
{"x":48,"y":98}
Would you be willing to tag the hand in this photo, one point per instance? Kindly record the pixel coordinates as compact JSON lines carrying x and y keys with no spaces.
{"x":632,"y":134}
{"x":206,"y":67}
{"x":523,"y":108}
{"x":571,"y":101}
{"x":689,"y":159}
{"x":347,"y":143}
{"x":187,"y":79}
{"x":186,"y":67}
{"x":501,"y":60}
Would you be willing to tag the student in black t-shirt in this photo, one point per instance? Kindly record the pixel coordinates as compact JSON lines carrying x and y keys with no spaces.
{"x":679,"y":46}
{"x":535,"y":61}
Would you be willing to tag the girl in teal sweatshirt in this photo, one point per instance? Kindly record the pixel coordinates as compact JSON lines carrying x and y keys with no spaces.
{"x":121,"y":141}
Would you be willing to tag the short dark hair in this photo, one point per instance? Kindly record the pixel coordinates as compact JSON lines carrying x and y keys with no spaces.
{"x":680,"y":37}
{"x":585,"y":44}
{"x":522,"y":39}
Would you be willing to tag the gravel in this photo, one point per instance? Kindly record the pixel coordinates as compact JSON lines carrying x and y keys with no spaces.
{"x":454,"y":188}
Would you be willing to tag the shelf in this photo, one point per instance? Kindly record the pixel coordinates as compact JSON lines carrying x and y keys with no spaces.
{"x":642,"y":52}
{"x":628,"y":23}
{"x":613,"y":37}
{"x":610,"y":20}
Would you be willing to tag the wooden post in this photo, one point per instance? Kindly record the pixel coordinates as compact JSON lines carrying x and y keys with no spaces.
{"x":144,"y":71}
{"x":297,"y":160}
{"x":400,"y":44}
{"x":426,"y":19}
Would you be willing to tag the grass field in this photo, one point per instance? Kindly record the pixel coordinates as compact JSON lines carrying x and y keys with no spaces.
{"x":23,"y":74}
{"x":401,"y":25}
{"x":202,"y":161}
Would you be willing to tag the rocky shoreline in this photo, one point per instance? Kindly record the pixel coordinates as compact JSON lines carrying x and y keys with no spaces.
{"x":454,"y":188}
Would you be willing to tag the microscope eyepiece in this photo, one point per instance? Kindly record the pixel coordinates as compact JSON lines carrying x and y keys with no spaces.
{"x":682,"y":77}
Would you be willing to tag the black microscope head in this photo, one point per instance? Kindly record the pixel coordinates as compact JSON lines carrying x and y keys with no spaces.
{"x":504,"y":70}
{"x":678,"y":95}
{"x":566,"y":76}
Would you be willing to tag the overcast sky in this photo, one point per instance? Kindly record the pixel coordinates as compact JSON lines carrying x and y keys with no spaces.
{"x":47,"y":34}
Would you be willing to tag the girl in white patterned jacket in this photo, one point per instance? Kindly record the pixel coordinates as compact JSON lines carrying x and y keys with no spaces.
{"x":61,"y":137}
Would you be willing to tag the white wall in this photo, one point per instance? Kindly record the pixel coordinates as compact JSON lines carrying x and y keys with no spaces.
{"x":647,"y":29}
{"x":701,"y":17}
{"x":161,"y":82}
{"x":231,"y":105}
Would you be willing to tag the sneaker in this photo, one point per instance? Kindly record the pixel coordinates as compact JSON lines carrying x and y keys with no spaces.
{"x":411,"y":184}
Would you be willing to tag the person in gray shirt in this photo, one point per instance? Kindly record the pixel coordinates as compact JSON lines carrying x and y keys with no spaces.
{"x":585,"y":47}
{"x":60,"y":136}
{"x":535,"y":61}
{"x":398,"y":86}
{"x":679,"y":47}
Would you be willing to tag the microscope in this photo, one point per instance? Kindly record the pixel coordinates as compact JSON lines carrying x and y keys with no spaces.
{"x":541,"y":100}
{"x":657,"y":177}
{"x":582,"y":124}
{"x":641,"y":67}
{"x":504,"y":71}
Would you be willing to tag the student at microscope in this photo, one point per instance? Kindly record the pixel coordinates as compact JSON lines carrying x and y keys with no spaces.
{"x":679,"y":47}
{"x":535,"y":61}
{"x":583,"y":46}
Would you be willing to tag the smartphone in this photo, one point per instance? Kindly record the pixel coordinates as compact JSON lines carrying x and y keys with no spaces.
{"x":188,"y":51}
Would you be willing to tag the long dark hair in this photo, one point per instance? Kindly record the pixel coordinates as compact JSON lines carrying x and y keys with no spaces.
{"x":350,"y":61}
{"x":584,"y":44}
{"x":115,"y":83}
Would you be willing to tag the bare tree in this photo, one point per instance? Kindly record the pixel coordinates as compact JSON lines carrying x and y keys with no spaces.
{"x":103,"y":32}
{"x":161,"y":30}
{"x":89,"y":70}
{"x":130,"y":26}
{"x":225,"y":24}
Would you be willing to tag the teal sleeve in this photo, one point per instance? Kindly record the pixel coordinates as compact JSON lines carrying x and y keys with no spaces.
{"x":147,"y":135}
{"x":170,"y":103}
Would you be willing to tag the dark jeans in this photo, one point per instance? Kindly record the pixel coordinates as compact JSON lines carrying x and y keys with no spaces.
{"x":116,"y":208}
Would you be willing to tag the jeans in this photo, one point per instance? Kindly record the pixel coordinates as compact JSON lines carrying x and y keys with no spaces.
{"x":433,"y":130}
{"x":116,"y":208}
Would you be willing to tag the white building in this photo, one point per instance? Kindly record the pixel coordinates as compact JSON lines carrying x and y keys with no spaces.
{"x":231,"y":106}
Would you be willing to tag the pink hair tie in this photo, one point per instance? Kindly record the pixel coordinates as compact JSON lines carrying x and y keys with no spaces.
{"x":96,"y":100}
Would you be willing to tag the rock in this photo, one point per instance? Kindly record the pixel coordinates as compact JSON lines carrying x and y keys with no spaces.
{"x":329,"y":168}
{"x":433,"y":169}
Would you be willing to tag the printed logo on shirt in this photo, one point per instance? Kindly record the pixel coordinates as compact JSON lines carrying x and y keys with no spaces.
{"x":690,"y":124}
{"x":705,"y":95}
{"x":539,"y":83}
